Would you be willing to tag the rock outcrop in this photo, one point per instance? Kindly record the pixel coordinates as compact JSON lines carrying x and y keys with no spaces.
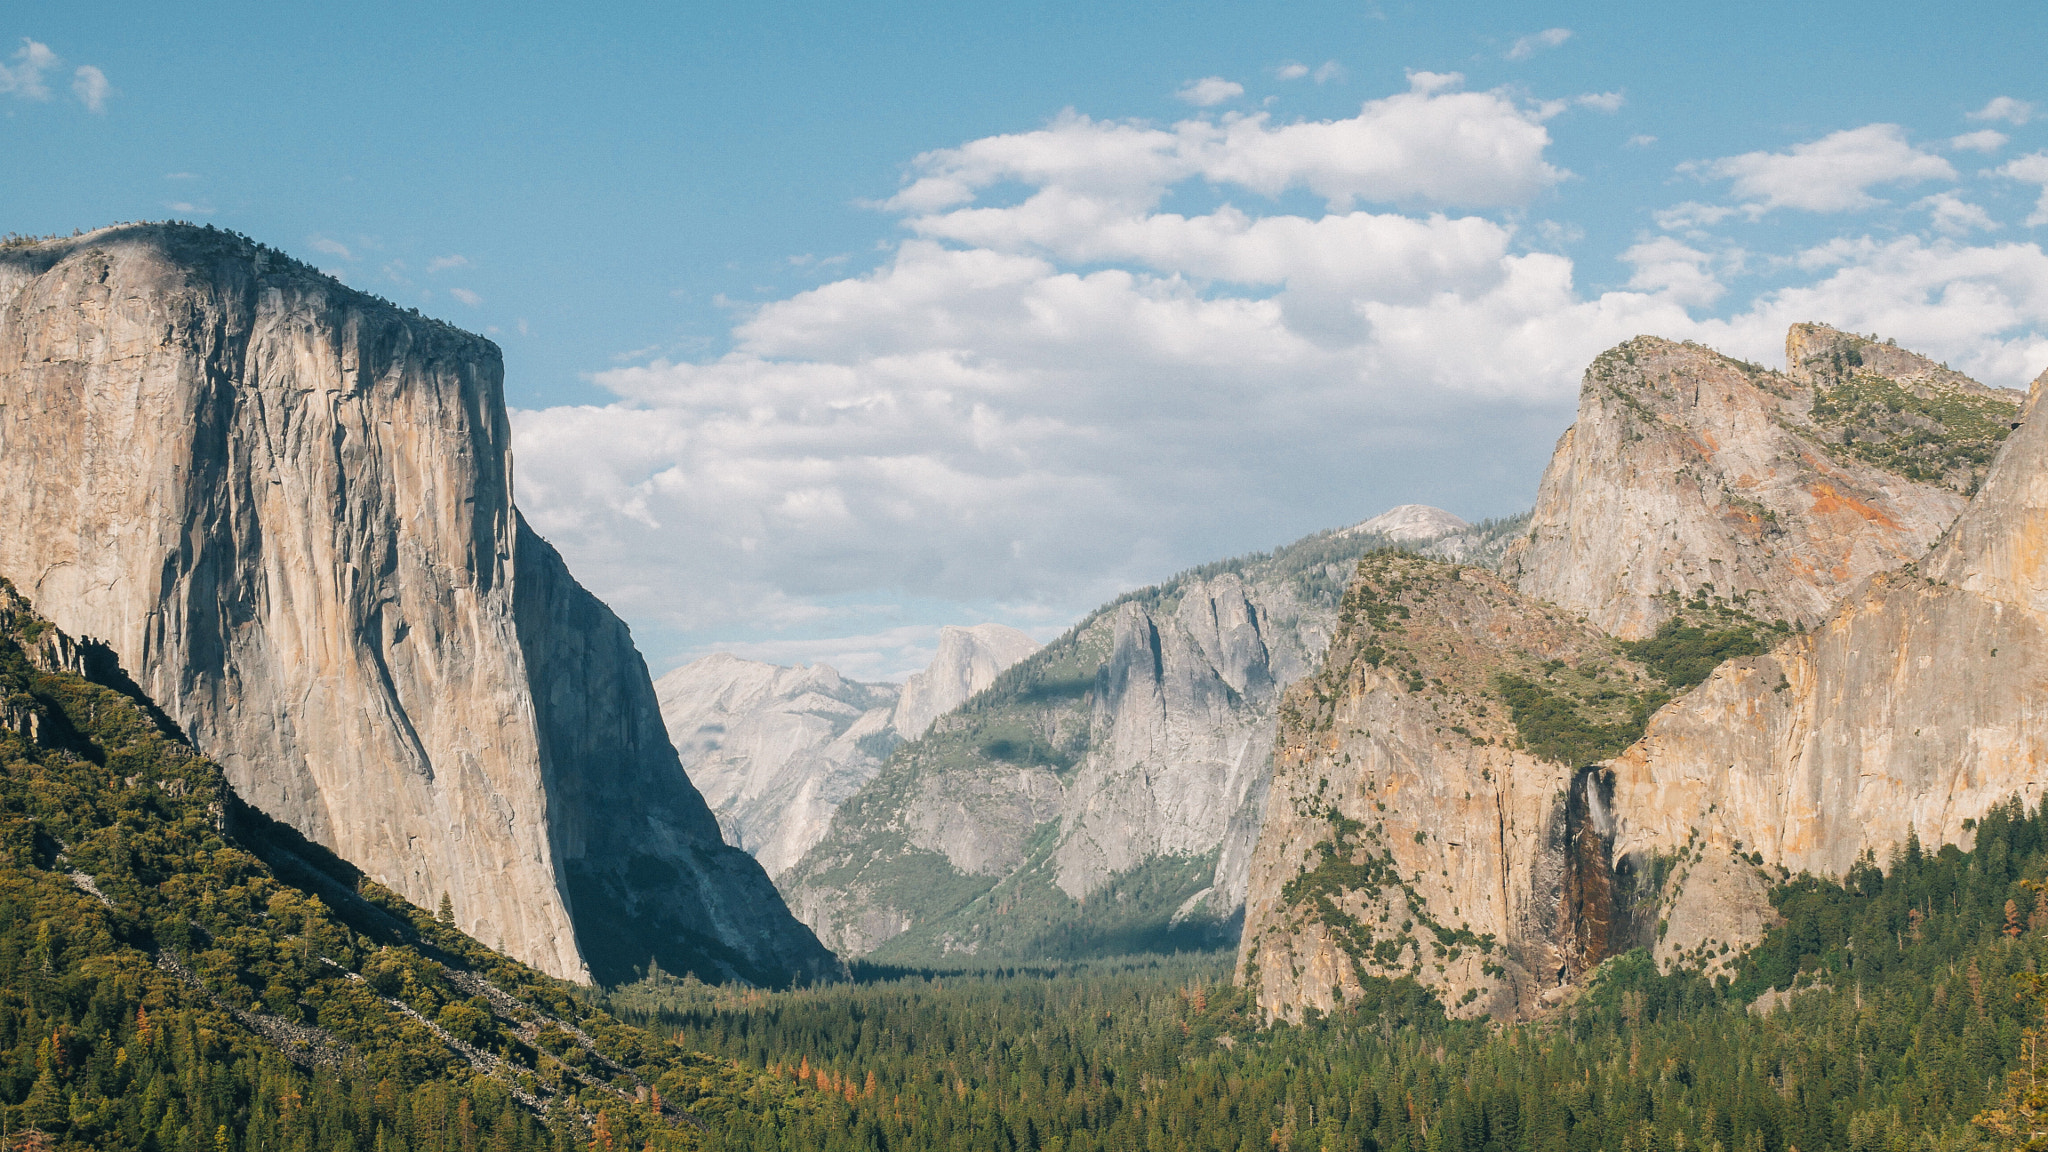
{"x":776,"y":750}
{"x":1490,"y":793}
{"x":1915,"y":707}
{"x":287,"y":507}
{"x":1410,"y":524}
{"x":1688,"y":472}
{"x":1420,"y":822}
{"x":968,"y":660}
{"x":1104,"y":794}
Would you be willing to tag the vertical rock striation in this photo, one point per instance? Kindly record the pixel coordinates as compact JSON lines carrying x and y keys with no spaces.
{"x":1411,"y":829}
{"x":1912,"y":709}
{"x":288,"y":508}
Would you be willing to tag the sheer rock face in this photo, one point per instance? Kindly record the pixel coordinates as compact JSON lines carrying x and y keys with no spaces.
{"x":1123,"y":766}
{"x":1168,"y":722}
{"x":968,"y":660}
{"x":1907,"y":704}
{"x":1407,"y":832}
{"x":775,"y":750}
{"x":1690,"y":471}
{"x":1916,"y":706}
{"x":288,"y":508}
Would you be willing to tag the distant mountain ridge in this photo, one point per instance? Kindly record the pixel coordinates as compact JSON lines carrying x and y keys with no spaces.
{"x":775,"y":750}
{"x":1104,"y":794}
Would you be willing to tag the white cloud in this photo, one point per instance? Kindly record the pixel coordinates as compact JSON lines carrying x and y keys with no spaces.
{"x":90,"y":85}
{"x":1691,"y":214}
{"x":2007,"y":109}
{"x":444,"y":263}
{"x":24,"y":78}
{"x":1426,"y":146}
{"x":1530,"y":45}
{"x":1665,"y":265}
{"x":1327,"y":71}
{"x":188,"y":208}
{"x":1985,"y":140}
{"x":1291,"y":71}
{"x":1601,"y":101}
{"x":1432,"y":82}
{"x":1832,"y":174}
{"x":1056,"y":389}
{"x":2032,"y":169}
{"x":466,"y":296}
{"x":329,"y":247}
{"x":181,"y":175}
{"x":1639,"y":141}
{"x":1951,"y":215}
{"x":1209,"y":91}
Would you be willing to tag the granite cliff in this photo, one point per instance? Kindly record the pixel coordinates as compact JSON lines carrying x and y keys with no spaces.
{"x":776,"y":750}
{"x":1688,"y":471}
{"x":1910,"y":711}
{"x":1104,"y":794}
{"x":287,"y":508}
{"x":1708,"y":662}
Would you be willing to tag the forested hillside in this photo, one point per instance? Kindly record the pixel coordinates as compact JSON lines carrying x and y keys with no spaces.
{"x":1878,"y":1017}
{"x":179,"y":974}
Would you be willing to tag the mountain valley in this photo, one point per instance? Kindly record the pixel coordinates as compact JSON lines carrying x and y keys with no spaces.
{"x":1700,"y":807}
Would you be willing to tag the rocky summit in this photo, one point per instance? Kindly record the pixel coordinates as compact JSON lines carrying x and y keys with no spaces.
{"x":1721,"y":654}
{"x":776,"y":750}
{"x":1691,"y":472}
{"x":286,"y":508}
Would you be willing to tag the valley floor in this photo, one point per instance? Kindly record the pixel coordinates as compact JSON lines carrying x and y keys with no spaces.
{"x":1878,"y":1017}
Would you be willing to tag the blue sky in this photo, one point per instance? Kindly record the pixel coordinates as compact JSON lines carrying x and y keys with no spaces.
{"x":1170,"y":282}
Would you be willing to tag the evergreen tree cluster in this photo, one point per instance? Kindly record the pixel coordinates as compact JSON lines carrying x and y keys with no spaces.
{"x":179,"y":974}
{"x":1879,"y":1016}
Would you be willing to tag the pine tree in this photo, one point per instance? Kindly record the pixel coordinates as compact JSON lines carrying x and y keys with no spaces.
{"x":446,"y":913}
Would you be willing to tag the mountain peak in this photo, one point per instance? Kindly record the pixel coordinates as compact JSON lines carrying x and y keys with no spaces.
{"x":1410,"y":522}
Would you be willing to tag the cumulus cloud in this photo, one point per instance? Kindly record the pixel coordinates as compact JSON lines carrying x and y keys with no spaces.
{"x":1209,"y":91}
{"x":1327,"y":71}
{"x":1291,"y":71}
{"x":1691,"y":214}
{"x":1669,"y":266}
{"x":1056,"y":388}
{"x":1427,"y":146}
{"x":2007,"y":109}
{"x":444,"y":263}
{"x":2031,"y":169}
{"x":1952,"y":215}
{"x":1832,"y":174}
{"x":1527,"y":46}
{"x":1986,"y":140}
{"x":90,"y":85}
{"x":466,"y":296}
{"x":24,"y":77}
